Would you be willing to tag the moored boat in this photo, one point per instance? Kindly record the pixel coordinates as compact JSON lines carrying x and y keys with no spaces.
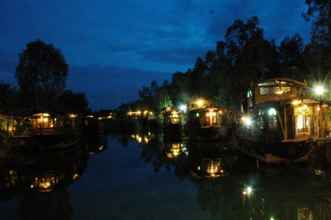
{"x":283,"y":121}
{"x":206,"y":122}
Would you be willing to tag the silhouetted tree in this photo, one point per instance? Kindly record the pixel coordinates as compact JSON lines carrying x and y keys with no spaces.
{"x":71,"y":102}
{"x":41,"y":74}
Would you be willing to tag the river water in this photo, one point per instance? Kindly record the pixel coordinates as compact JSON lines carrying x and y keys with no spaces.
{"x":140,"y":178}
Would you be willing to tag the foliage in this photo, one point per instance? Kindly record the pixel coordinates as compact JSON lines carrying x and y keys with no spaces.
{"x":72,"y":102}
{"x":41,"y":74}
{"x":224,"y":74}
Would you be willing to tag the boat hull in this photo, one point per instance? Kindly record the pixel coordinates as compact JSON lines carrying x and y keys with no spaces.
{"x":277,"y":152}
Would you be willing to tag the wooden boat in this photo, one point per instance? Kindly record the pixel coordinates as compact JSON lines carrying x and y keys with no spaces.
{"x":282,"y":121}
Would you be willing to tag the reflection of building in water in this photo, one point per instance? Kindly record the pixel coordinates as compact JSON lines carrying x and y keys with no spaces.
{"x":46,"y":183}
{"x":209,"y":168}
{"x":141,"y":114}
{"x":304,"y":214}
{"x":52,"y":205}
{"x":174,"y":150}
{"x":142,"y":138}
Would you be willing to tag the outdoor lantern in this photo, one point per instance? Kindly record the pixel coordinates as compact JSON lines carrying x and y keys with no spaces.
{"x":247,"y":121}
{"x":183,"y":108}
{"x":248,"y":191}
{"x":319,"y":89}
{"x":272,"y":112}
{"x":200,"y":103}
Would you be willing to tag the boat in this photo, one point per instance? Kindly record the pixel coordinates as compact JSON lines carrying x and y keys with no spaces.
{"x":283,"y":121}
{"x":206,"y":122}
{"x":47,"y":133}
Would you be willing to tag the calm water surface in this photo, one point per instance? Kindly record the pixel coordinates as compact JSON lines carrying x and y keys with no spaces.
{"x":128,"y":180}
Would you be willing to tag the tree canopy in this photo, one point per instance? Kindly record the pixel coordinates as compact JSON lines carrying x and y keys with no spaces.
{"x":41,"y":74}
{"x":244,"y":56}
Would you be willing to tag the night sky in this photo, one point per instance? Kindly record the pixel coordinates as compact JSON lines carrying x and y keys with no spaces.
{"x":114,"y":47}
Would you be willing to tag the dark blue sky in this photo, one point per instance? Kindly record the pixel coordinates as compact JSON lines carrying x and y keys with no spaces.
{"x":114,"y":47}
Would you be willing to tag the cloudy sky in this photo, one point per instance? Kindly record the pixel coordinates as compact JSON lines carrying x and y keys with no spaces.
{"x":114,"y":47}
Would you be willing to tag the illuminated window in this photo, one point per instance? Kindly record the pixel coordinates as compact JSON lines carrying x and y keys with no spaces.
{"x":303,"y":120}
{"x":211,"y":118}
{"x":277,"y":90}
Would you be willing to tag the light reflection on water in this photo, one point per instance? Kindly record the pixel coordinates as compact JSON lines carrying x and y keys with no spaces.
{"x":147,"y":176}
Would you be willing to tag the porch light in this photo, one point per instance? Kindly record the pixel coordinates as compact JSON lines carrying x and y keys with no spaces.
{"x":272,"y":112}
{"x":248,"y":191}
{"x":319,"y":89}
{"x":247,"y":120}
{"x":200,"y":103}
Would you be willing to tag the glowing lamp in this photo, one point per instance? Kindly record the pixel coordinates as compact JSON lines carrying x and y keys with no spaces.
{"x":272,"y":112}
{"x":247,"y":121}
{"x":248,"y":191}
{"x":200,"y":103}
{"x":296,"y":102}
{"x":182,"y":108}
{"x":72,"y":116}
{"x":319,"y":90}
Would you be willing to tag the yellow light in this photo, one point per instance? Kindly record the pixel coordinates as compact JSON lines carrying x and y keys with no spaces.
{"x":200,"y":103}
{"x":175,"y":150}
{"x":296,"y":102}
{"x":72,"y":116}
{"x":139,"y":139}
{"x":146,"y":140}
{"x":75,"y":176}
{"x":279,"y":92}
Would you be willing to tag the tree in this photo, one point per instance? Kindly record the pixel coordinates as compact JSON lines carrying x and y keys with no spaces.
{"x":320,"y":12}
{"x":291,"y":57}
{"x":41,"y":74}
{"x":9,"y":98}
{"x":70,"y":102}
